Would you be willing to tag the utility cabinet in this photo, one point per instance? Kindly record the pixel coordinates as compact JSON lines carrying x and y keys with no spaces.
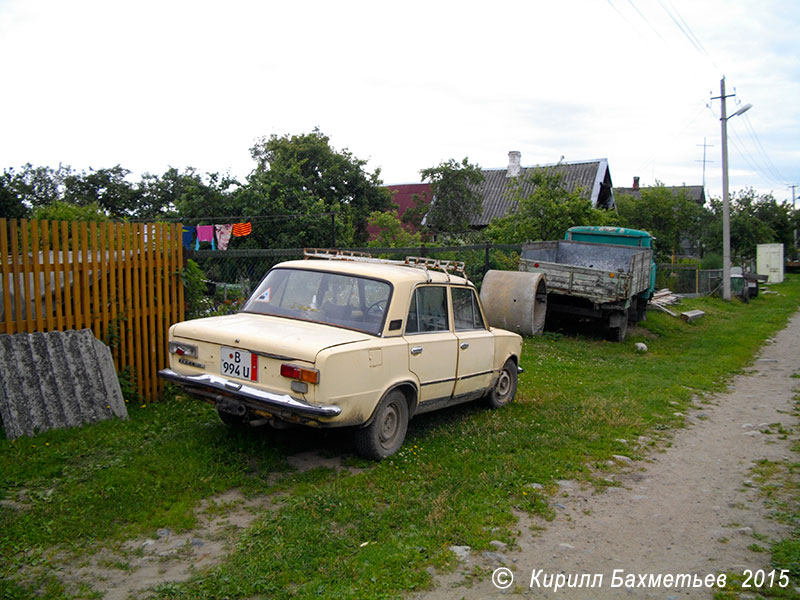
{"x":769,"y":261}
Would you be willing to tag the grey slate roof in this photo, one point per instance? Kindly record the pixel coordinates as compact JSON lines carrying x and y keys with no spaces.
{"x":591,"y":177}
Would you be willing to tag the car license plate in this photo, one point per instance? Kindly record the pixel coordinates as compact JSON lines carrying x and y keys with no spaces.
{"x":239,"y":363}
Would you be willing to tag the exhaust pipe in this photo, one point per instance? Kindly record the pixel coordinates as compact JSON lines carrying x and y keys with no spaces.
{"x":229,"y":406}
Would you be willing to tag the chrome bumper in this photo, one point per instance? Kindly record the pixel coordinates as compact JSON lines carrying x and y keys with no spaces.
{"x":218,"y":388}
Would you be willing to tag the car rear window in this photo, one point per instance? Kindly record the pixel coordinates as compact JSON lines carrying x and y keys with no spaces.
{"x":321,"y":297}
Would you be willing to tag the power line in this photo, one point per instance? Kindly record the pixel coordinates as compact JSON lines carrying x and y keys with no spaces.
{"x":674,"y":137}
{"x":645,"y":19}
{"x":626,"y":20}
{"x":755,"y":165}
{"x":773,"y":169}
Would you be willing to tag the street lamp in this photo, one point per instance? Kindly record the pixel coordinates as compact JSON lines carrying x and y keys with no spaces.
{"x":726,"y":205}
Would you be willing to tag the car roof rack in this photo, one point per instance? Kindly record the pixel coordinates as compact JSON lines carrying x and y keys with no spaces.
{"x":447,"y":267}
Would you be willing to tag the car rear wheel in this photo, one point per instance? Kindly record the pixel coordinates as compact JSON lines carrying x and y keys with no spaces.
{"x":505,"y":387}
{"x":385,"y":433}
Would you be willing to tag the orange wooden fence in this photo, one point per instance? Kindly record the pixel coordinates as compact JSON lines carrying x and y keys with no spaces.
{"x":121,"y":280}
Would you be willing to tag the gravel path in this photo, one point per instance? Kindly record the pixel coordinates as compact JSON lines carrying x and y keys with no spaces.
{"x":690,"y":509}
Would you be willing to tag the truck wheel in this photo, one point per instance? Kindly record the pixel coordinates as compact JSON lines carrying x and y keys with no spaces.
{"x":505,"y":387}
{"x":385,"y":433}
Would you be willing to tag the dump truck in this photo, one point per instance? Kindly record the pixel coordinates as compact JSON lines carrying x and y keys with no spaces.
{"x":604,"y":273}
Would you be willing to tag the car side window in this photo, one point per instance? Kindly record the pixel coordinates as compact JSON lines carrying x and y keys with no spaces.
{"x":466,"y":313}
{"x":428,"y":310}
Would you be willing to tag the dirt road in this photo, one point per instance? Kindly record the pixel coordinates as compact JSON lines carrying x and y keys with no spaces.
{"x":689,"y":509}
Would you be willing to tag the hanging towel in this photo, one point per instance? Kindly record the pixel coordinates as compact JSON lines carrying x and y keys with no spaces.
{"x":223,"y":235}
{"x":205,"y":233}
{"x":187,"y":233}
{"x":242,"y":229}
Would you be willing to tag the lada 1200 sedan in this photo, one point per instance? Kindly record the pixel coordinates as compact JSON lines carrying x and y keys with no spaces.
{"x":348,"y":341}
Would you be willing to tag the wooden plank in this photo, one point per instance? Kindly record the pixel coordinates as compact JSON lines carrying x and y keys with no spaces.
{"x":128,"y":299}
{"x":58,"y":276}
{"x":26,"y":288}
{"x":139,"y":281}
{"x":692,"y":315}
{"x":174,"y":233}
{"x":151,"y":289}
{"x":179,"y":269}
{"x":104,"y":249}
{"x":86,"y":309}
{"x":111,"y":272}
{"x":47,"y":275}
{"x":17,"y":285}
{"x":69,"y":318}
{"x":6,"y":326}
{"x":662,"y":308}
{"x":94,"y":276}
{"x":162,"y":304}
{"x":38,"y":285}
{"x":75,"y":240}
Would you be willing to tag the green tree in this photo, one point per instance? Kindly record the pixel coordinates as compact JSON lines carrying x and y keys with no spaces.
{"x":108,"y":188}
{"x":11,"y":204}
{"x":37,"y":186}
{"x":671,"y":216}
{"x":194,"y":195}
{"x":456,"y":200}
{"x":755,"y":219}
{"x":545,"y":210}
{"x":299,"y":172}
{"x":391,"y":233}
{"x":61,"y":210}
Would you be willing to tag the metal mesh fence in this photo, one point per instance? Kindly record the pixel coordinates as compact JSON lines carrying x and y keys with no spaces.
{"x":688,"y":279}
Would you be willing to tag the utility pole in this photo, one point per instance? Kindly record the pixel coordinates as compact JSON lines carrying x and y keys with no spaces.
{"x":794,"y":218}
{"x":704,"y":145}
{"x":726,"y":204}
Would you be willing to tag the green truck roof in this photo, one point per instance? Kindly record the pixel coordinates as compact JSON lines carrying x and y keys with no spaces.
{"x":609,"y":235}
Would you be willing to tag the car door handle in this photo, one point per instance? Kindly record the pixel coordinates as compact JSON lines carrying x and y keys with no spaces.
{"x":464,"y":345}
{"x":416,"y":350}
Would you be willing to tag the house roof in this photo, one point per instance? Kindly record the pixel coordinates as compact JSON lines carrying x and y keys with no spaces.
{"x":592,"y":178}
{"x":695,"y":192}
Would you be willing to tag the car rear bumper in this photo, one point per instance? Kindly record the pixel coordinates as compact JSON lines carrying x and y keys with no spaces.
{"x":221,"y":390}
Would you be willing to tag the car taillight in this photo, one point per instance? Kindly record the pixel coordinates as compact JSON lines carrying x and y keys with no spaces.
{"x":182,"y":349}
{"x":299,"y":373}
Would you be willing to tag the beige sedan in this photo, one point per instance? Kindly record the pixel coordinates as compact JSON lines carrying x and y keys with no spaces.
{"x":348,"y":341}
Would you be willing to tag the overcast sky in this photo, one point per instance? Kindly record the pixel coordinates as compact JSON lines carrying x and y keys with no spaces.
{"x":405,"y":85}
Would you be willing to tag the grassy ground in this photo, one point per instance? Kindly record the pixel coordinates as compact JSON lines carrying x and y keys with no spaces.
{"x":457,"y":481}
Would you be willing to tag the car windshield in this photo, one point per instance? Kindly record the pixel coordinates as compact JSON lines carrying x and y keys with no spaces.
{"x":321,"y":297}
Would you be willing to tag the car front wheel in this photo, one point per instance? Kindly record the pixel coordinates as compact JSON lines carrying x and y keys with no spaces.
{"x":505,"y":387}
{"x":385,"y":433}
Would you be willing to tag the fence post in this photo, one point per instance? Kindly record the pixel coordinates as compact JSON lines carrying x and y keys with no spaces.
{"x":486,"y":258}
{"x":697,"y":278}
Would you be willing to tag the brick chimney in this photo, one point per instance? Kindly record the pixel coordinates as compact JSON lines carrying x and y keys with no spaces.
{"x":635,"y":184}
{"x":514,"y":158}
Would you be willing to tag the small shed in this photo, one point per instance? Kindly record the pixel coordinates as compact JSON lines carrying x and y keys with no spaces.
{"x":769,"y":261}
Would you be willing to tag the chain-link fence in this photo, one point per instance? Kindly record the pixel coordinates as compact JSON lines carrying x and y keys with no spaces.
{"x":228,"y":277}
{"x":688,"y":279}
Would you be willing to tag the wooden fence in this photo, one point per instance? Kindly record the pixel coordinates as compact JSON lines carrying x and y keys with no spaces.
{"x":121,"y":280}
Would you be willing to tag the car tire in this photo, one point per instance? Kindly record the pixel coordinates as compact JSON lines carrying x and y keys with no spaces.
{"x":505,"y":387}
{"x":385,"y":433}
